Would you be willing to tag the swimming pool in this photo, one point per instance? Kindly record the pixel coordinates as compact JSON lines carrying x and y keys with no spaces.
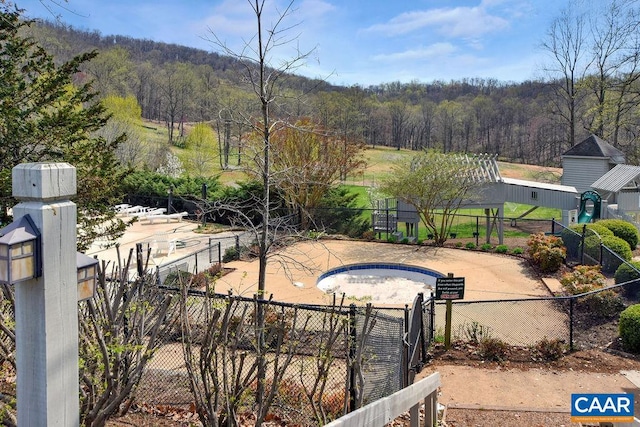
{"x":382,"y":283}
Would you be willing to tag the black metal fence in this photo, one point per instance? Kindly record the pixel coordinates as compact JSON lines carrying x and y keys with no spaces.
{"x":379,"y":351}
{"x":582,"y":321}
{"x":363,"y":362}
{"x":203,"y":259}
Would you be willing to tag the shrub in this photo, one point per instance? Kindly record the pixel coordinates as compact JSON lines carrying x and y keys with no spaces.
{"x":547,"y":252}
{"x":368,"y":235}
{"x":622,"y":229}
{"x":592,"y":229}
{"x":231,"y":254}
{"x":627,"y":273}
{"x":502,"y":249}
{"x":199,"y":280}
{"x":629,"y":328}
{"x":493,"y":349}
{"x":470,"y":245}
{"x":177,"y":278}
{"x":474,"y":332}
{"x":592,"y":246}
{"x":583,"y":278}
{"x":405,"y":240}
{"x":459,"y":244}
{"x":571,"y":239}
{"x":550,"y":349}
{"x":620,"y":247}
{"x":606,"y":303}
{"x":517,"y":251}
{"x":486,"y":247}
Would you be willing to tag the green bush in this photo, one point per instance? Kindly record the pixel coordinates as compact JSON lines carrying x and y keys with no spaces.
{"x":571,"y":239}
{"x":470,"y":245}
{"x":622,"y":229}
{"x":147,"y":183}
{"x":177,"y":278}
{"x":620,"y":247}
{"x":627,"y":273}
{"x":502,"y":249}
{"x":231,"y":254}
{"x":517,"y":251}
{"x":615,"y":244}
{"x":591,"y":229}
{"x":629,"y":328}
{"x":486,"y":247}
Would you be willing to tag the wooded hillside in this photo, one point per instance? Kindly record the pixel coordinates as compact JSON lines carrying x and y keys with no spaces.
{"x":530,"y":122}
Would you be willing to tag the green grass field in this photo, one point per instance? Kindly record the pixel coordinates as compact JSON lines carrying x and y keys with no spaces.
{"x":379,"y":162}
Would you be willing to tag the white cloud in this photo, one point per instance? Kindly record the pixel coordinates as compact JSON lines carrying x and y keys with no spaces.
{"x":435,"y":50}
{"x":451,"y":22}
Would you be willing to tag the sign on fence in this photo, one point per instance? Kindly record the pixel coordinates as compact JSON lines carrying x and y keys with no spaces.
{"x":449,"y":288}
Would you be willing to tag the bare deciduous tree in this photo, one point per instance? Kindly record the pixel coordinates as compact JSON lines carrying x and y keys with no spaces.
{"x":119,"y":332}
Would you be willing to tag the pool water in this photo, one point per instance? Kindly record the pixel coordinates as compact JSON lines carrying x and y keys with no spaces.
{"x":381,"y":283}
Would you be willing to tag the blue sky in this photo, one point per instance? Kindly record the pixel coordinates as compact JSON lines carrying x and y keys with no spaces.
{"x":361,"y":42}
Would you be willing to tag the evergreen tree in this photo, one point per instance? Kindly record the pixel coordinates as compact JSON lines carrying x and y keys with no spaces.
{"x":47,"y":113}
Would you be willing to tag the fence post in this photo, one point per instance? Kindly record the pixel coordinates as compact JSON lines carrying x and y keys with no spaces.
{"x":432,"y":314}
{"x":553,"y":226}
{"x":237,"y":244}
{"x":584,"y":231}
{"x":352,"y":354}
{"x":601,"y":252}
{"x":423,"y":345}
{"x":406,"y":349}
{"x":139,"y":260}
{"x":571,"y":302}
{"x":220,"y":254}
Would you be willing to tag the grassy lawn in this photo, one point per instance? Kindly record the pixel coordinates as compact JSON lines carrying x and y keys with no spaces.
{"x":380,"y":161}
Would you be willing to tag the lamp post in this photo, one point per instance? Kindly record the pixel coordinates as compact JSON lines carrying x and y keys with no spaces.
{"x":46,"y":307}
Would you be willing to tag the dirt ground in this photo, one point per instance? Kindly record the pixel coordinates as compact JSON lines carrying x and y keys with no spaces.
{"x":519,"y":391}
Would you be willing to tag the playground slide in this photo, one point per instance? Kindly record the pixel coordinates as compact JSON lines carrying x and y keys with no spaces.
{"x":589,"y":211}
{"x":584,"y":216}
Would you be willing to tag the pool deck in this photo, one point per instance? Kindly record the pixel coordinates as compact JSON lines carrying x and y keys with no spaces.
{"x":292,"y":272}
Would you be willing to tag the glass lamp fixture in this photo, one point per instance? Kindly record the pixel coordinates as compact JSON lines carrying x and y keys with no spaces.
{"x":20,"y":251}
{"x":87,"y":276}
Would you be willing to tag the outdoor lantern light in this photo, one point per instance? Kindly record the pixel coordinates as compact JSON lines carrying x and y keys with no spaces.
{"x":87,"y":276}
{"x":19,"y":251}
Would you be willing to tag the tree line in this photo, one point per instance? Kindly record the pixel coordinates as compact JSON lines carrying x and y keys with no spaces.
{"x":588,"y":86}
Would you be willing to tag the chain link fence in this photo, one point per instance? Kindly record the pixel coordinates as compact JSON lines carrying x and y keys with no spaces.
{"x":202,"y":260}
{"x":518,"y":322}
{"x":373,"y":352}
{"x":337,"y":358}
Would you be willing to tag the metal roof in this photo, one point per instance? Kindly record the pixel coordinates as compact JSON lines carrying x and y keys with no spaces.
{"x":617,"y":178}
{"x":541,"y":185}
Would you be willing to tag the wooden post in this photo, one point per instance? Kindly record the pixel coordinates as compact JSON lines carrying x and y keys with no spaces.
{"x":47,"y":307}
{"x":447,"y":321}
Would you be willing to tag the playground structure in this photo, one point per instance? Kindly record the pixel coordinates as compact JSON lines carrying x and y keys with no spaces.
{"x":590,"y":205}
{"x":495,"y":192}
{"x":595,"y":184}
